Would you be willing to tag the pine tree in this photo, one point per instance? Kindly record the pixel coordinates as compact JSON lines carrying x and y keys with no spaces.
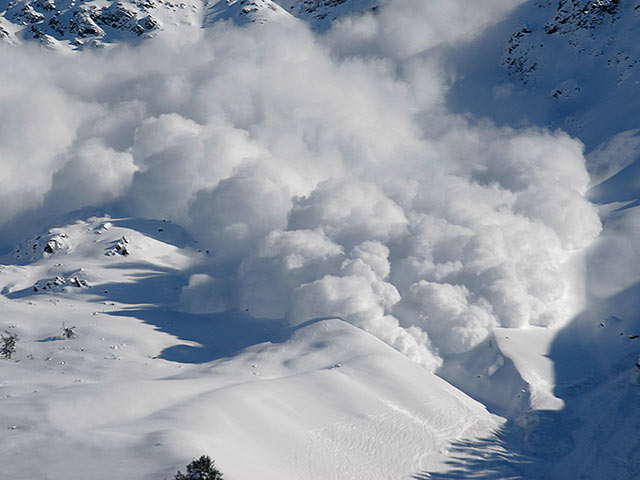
{"x":8,"y":346}
{"x":201,"y":469}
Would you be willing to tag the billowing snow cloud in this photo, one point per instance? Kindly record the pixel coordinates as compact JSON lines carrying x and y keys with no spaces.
{"x":324,"y":174}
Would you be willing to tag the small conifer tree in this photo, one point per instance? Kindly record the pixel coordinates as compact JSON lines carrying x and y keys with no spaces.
{"x":202,"y":468}
{"x":8,"y":346}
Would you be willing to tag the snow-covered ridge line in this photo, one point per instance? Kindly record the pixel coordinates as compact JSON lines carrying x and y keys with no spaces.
{"x":79,"y":24}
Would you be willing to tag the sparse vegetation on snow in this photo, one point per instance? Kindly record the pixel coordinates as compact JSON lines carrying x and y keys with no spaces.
{"x":202,"y":468}
{"x":8,"y":345}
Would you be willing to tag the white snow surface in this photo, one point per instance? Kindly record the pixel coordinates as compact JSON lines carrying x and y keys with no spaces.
{"x":511,"y":371}
{"x":142,"y":387}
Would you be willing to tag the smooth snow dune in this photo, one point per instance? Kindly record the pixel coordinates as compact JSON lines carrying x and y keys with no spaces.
{"x":330,"y":402}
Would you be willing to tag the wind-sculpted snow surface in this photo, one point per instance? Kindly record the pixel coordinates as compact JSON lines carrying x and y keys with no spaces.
{"x":324,"y":174}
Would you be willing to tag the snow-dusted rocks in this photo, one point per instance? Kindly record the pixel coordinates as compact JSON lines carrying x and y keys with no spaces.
{"x":598,"y":29}
{"x":59,"y":283}
{"x":245,"y":11}
{"x":92,"y":23}
{"x":572,"y":15}
{"x":81,"y":255}
{"x":41,"y":246}
{"x":121,"y":247}
{"x":59,"y":23}
{"x":28,"y":15}
{"x":321,"y":13}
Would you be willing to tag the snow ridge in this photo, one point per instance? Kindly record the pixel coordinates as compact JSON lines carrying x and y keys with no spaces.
{"x":95,"y":23}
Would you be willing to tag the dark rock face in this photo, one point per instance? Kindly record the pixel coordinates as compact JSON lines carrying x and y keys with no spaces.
{"x":577,"y":14}
{"x":28,"y":15}
{"x":82,"y":23}
{"x":4,"y":34}
{"x":120,"y":17}
{"x":45,"y":5}
{"x":56,"y":25}
{"x":517,"y":61}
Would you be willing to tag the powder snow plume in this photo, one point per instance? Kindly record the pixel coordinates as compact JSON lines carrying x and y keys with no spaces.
{"x":324,"y":172}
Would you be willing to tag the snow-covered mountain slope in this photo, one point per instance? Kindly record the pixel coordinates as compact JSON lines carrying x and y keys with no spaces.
{"x":318,"y":13}
{"x":321,"y":13}
{"x":246,"y":11}
{"x":150,"y":385}
{"x":569,"y":64}
{"x":97,"y":23}
{"x":600,"y":30}
{"x":143,"y":386}
{"x":584,"y":55}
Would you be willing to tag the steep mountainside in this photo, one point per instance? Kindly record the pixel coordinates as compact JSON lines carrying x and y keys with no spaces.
{"x":581,"y":61}
{"x":568,"y":64}
{"x":602,"y":30}
{"x":584,"y":56}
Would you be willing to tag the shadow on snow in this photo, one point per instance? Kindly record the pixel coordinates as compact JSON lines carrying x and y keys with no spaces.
{"x":217,"y":335}
{"x":594,"y":353}
{"x":484,"y":458}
